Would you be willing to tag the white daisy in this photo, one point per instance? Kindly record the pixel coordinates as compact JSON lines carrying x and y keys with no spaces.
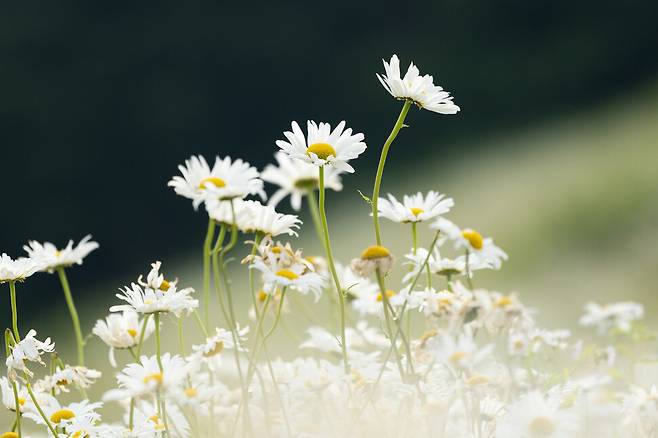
{"x":459,"y":351}
{"x":65,"y":416}
{"x":414,"y":208}
{"x":265,"y":220}
{"x":418,"y":89}
{"x":147,"y":300}
{"x":536,"y":416}
{"x":52,"y":258}
{"x":226,"y":180}
{"x":28,"y":349}
{"x":483,"y":253}
{"x":619,"y":316}
{"x":63,"y":378}
{"x":144,"y":378}
{"x":216,"y":343}
{"x":8,"y":399}
{"x":296,"y":277}
{"x":323,"y":146}
{"x":17,"y":270}
{"x":296,"y":178}
{"x":122,"y":331}
{"x":226,"y":214}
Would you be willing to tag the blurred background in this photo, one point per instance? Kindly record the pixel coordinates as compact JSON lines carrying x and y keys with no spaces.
{"x":555,"y":152}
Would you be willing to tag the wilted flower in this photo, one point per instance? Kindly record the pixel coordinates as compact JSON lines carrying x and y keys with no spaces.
{"x":28,"y":349}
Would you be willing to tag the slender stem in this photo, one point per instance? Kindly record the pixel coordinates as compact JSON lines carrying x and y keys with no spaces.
{"x":332,"y":268}
{"x":74,"y":315}
{"x":414,"y":236}
{"x":254,"y":249}
{"x":36,"y":405}
{"x":276,"y":318}
{"x":206,"y":269}
{"x":315,"y":214}
{"x":380,"y":168}
{"x":17,"y":423}
{"x":14,"y":310}
{"x":181,"y":338}
{"x":469,"y":281}
{"x":158,"y":357}
{"x":131,"y":421}
{"x":387,"y":319}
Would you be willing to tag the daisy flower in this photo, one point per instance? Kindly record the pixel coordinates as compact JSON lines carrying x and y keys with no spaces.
{"x":459,"y":351}
{"x":68,"y":415}
{"x":416,"y":88}
{"x":534,"y":415}
{"x":215,"y":344}
{"x":28,"y":349}
{"x":414,"y":208}
{"x":322,"y":146}
{"x":17,"y":270}
{"x":373,"y":258}
{"x":122,"y":331}
{"x":265,"y":220}
{"x":145,"y":378}
{"x":63,"y":378}
{"x":296,"y":276}
{"x":226,"y":214}
{"x":619,"y":316}
{"x":147,"y":300}
{"x":52,"y":258}
{"x":296,"y":178}
{"x":226,"y":180}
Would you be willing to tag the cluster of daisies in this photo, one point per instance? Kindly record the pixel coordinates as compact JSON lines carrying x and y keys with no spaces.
{"x":394,"y":346}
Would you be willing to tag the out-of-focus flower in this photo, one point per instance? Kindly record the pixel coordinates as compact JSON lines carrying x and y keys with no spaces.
{"x":19,"y":269}
{"x":619,"y":316}
{"x":416,"y":88}
{"x":323,"y":146}
{"x":28,"y":349}
{"x":296,"y":178}
{"x":373,"y":258}
{"x":121,"y":331}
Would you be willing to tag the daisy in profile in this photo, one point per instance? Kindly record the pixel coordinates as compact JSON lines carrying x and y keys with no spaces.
{"x":17,"y":270}
{"x":122,"y":331}
{"x":265,"y":220}
{"x":29,"y":349}
{"x":279,"y":272}
{"x":228,"y":213}
{"x":536,"y":415}
{"x":322,"y":146}
{"x":373,"y":258}
{"x":226,"y":180}
{"x":296,"y":178}
{"x":416,"y":88}
{"x":63,"y":378}
{"x":613,"y":316}
{"x":414,"y":208}
{"x":52,"y":258}
{"x":145,"y":378}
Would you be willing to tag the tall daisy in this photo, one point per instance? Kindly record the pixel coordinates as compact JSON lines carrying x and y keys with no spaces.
{"x":322,"y":146}
{"x":415,"y":208}
{"x":416,"y":88}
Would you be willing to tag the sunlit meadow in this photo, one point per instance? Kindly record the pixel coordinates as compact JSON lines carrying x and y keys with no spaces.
{"x":383,"y":344}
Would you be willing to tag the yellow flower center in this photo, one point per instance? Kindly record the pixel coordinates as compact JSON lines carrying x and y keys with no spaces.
{"x":287,"y":273}
{"x":165,"y":285}
{"x":155,"y":377}
{"x":62,"y":414}
{"x":262,"y":296}
{"x":276,"y":250}
{"x":375,"y":252}
{"x":542,"y":427}
{"x":457,"y":356}
{"x":217,"y":182}
{"x":474,"y":238}
{"x":191,"y":392}
{"x":322,"y":150}
{"x":21,"y":401}
{"x":416,"y":211}
{"x":503,"y":301}
{"x":219,"y":346}
{"x":80,"y":434}
{"x":478,"y":379}
{"x":9,"y":435}
{"x":389,"y":294}
{"x":132,"y":332}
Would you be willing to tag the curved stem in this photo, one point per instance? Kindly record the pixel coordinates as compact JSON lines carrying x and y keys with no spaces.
{"x":315,"y":214}
{"x":206,"y":268}
{"x":14,"y":310}
{"x":332,"y":268}
{"x":17,"y":422}
{"x":36,"y":405}
{"x":380,"y":168}
{"x":74,"y":315}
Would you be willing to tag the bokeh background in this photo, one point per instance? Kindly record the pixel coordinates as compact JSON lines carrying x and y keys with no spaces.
{"x":555,"y":152}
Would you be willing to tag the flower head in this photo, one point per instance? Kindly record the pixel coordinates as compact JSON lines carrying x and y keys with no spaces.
{"x":52,"y":258}
{"x":19,"y":269}
{"x":226,"y":180}
{"x":323,"y":146}
{"x":122,"y":330}
{"x":144,"y":378}
{"x":416,"y":88}
{"x":619,"y":316}
{"x":28,"y":349}
{"x":375,"y":257}
{"x":62,"y":379}
{"x":414,"y":208}
{"x":297,"y":178}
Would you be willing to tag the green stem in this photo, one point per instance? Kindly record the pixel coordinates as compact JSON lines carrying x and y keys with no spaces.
{"x":332,"y":268}
{"x":14,"y":310}
{"x":131,"y":421}
{"x":181,"y":339}
{"x":158,"y":357}
{"x":276,"y":318}
{"x":414,"y":236}
{"x":17,"y":422}
{"x":387,"y":319}
{"x":36,"y":405}
{"x":380,"y":168}
{"x":80,"y":343}
{"x":206,"y":269}
{"x":469,"y":281}
{"x":315,"y":214}
{"x":254,"y":249}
